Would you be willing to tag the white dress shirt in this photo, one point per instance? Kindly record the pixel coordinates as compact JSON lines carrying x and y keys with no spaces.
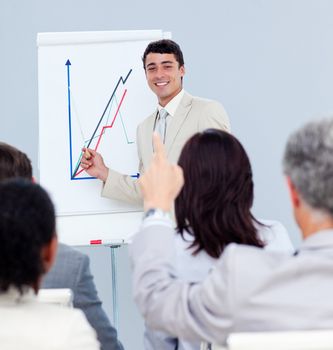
{"x":171,"y":108}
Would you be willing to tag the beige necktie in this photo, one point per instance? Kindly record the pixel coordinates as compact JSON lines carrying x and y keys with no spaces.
{"x":162,"y":124}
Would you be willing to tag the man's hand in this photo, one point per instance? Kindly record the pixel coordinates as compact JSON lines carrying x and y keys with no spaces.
{"x":162,"y":182}
{"x":92,"y":162}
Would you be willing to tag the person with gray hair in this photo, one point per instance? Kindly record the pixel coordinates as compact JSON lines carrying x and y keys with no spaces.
{"x":309,"y":166}
{"x":249,"y":289}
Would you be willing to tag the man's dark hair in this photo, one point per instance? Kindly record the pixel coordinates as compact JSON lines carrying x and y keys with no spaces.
{"x":14,"y":163}
{"x":214,"y":206}
{"x":164,"y":46}
{"x":27,"y":224}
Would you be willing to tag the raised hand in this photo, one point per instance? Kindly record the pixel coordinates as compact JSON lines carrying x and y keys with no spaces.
{"x":162,"y":182}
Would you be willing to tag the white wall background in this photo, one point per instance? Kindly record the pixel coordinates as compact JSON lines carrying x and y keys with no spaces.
{"x":270,"y":62}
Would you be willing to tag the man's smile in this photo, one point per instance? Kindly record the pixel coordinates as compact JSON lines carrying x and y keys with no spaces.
{"x":161,"y":83}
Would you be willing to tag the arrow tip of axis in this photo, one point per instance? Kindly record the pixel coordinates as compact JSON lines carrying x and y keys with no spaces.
{"x":68,"y":63}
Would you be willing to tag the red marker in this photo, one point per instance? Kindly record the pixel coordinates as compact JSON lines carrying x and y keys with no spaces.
{"x":103,"y":242}
{"x":96,"y":241}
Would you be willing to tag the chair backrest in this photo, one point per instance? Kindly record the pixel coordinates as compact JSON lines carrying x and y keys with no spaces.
{"x":208,"y":346}
{"x":59,"y":296}
{"x":295,"y":340}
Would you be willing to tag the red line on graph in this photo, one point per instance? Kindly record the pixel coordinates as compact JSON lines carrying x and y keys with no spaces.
{"x":106,"y":127}
{"x":79,"y":172}
{"x":113,"y":120}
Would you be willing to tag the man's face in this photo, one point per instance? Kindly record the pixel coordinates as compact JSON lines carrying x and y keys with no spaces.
{"x":164,"y":76}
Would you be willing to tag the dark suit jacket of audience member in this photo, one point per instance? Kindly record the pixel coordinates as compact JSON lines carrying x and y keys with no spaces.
{"x":71,"y":270}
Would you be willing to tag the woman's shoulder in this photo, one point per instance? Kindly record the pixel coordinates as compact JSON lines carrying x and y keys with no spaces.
{"x":274,"y":235}
{"x":189,"y":267}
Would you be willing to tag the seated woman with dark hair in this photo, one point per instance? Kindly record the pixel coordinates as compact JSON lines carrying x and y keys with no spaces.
{"x":212,"y":210}
{"x":27,"y":251}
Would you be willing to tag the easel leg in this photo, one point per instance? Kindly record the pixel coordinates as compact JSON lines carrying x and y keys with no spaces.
{"x":114,"y":285}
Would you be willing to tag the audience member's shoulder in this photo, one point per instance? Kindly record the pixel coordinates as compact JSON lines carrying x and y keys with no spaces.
{"x":64,"y":249}
{"x":245,"y":267}
{"x":69,"y":324}
{"x":245,"y":255}
{"x":58,"y":313}
{"x":275,"y":236}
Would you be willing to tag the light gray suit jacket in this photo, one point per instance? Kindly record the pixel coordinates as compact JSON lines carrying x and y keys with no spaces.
{"x":249,"y":290}
{"x":195,"y":268}
{"x":71,"y":270}
{"x":192,"y":115}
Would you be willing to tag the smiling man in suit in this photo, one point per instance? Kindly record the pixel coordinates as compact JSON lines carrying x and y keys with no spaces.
{"x":178,"y":116}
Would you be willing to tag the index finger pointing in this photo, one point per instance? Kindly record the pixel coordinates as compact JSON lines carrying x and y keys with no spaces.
{"x":159,"y":149}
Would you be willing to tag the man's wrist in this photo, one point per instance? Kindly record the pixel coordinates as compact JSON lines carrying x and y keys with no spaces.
{"x":104,"y":174}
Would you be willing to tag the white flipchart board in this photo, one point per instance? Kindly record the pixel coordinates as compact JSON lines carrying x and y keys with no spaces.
{"x":92,"y":92}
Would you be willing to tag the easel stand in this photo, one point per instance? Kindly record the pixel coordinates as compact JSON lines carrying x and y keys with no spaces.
{"x":114,"y":284}
{"x":115,"y":230}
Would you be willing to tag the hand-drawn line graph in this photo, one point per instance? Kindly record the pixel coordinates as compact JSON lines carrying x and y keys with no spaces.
{"x":102,"y":126}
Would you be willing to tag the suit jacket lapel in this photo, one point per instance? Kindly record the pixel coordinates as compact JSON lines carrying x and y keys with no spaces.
{"x":148,"y":132}
{"x":178,"y":120}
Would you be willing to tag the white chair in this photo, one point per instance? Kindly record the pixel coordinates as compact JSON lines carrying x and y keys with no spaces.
{"x":207,"y":346}
{"x":59,"y":296}
{"x":295,"y":340}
